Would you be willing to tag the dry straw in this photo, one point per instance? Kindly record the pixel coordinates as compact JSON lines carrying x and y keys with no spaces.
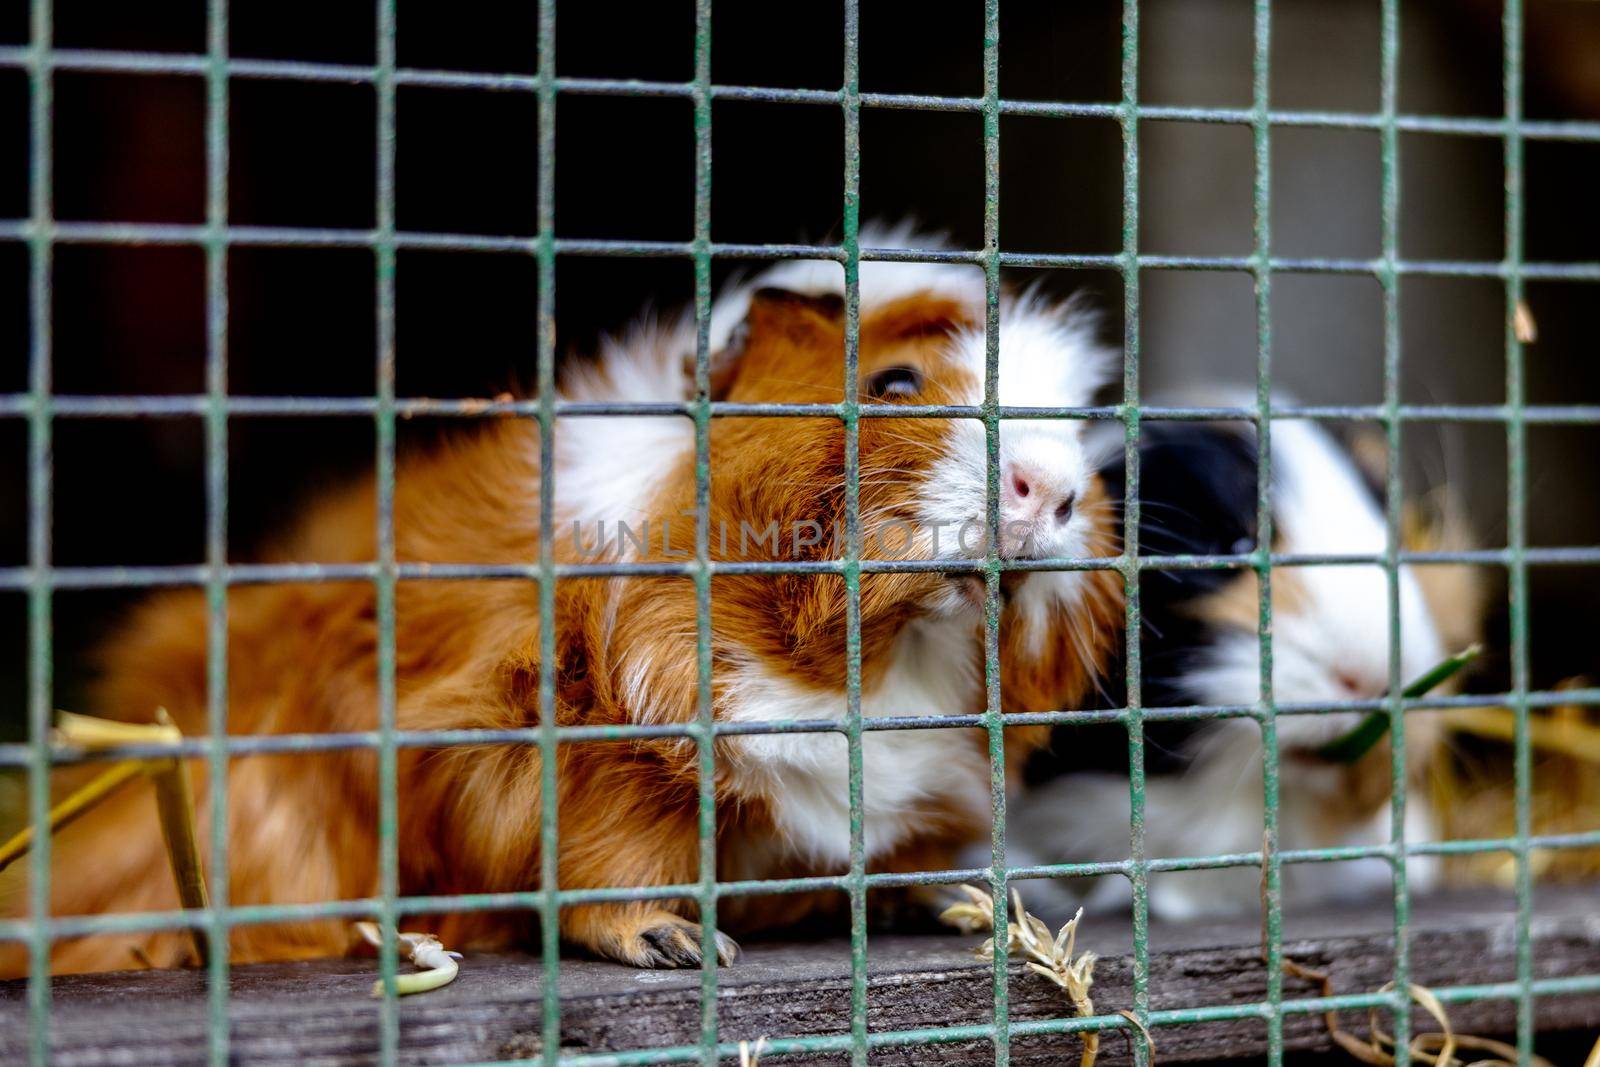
{"x":174,"y":799}
{"x":1474,"y":793}
{"x":750,"y":1054}
{"x":1053,"y":958}
{"x":1437,"y":1047}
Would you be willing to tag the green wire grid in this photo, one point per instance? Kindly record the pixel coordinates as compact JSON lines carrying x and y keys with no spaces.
{"x":39,"y":579}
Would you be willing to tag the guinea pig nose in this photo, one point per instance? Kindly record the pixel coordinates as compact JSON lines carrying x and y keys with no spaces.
{"x":1064,"y":509}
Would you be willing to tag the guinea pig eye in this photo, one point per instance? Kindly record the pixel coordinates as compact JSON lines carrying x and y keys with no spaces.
{"x":894,"y":382}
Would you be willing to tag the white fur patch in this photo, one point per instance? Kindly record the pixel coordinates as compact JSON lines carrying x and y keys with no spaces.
{"x":907,"y":775}
{"x":1216,"y":809}
{"x":608,"y":468}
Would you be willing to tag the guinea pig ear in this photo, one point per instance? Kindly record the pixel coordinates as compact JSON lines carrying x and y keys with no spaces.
{"x":772,"y":312}
{"x":787,"y":309}
{"x":724,"y":364}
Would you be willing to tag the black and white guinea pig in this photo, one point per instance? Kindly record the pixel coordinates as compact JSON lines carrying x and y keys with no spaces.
{"x":1200,"y":646}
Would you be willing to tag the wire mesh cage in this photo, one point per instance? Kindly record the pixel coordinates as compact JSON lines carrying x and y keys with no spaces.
{"x":43,"y":409}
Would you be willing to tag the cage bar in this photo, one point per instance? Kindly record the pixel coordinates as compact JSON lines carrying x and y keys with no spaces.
{"x":1516,"y":518}
{"x":704,"y":737}
{"x":1139,"y":868}
{"x":1261,"y":220}
{"x":1389,"y":280}
{"x":41,"y":252}
{"x":384,"y":580}
{"x":549,"y":791}
{"x":216,"y":426}
{"x":850,"y":413}
{"x":993,"y":721}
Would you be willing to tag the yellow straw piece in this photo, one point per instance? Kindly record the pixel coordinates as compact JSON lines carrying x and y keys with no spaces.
{"x":1566,"y":736}
{"x":86,"y":731}
{"x":72,"y":807}
{"x":175,"y":803}
{"x":174,"y":799}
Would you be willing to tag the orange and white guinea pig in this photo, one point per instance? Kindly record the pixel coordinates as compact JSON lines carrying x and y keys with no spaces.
{"x":303,"y":658}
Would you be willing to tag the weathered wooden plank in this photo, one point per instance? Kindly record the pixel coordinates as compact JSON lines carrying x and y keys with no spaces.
{"x":320,"y":1011}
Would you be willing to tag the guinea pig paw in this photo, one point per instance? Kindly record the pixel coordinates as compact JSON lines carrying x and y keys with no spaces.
{"x":674,"y":942}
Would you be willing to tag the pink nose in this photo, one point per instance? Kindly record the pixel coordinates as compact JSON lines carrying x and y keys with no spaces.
{"x":1028,"y":494}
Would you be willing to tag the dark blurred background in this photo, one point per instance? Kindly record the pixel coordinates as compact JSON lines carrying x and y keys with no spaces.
{"x":131,"y":320}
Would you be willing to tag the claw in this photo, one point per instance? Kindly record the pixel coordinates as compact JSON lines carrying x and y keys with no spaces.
{"x":676,"y":942}
{"x":671,"y":946}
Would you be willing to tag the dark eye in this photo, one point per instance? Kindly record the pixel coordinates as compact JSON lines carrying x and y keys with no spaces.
{"x":894,"y":382}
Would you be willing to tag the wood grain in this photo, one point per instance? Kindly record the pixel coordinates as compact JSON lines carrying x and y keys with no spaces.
{"x":321,"y":1012}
